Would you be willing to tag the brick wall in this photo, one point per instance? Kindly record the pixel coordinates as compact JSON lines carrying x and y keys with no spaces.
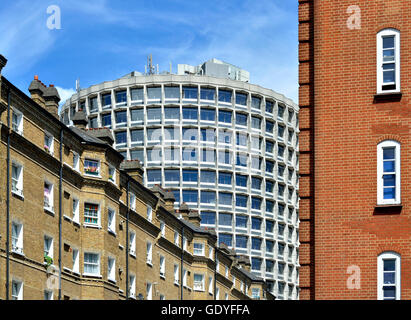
{"x":338,"y":84}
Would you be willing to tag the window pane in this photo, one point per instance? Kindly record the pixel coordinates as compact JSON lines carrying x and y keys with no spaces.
{"x":207,"y":94}
{"x":208,"y":197}
{"x":241,"y":181}
{"x":241,"y":221}
{"x":241,"y":201}
{"x":190,"y":195}
{"x":190,"y":113}
{"x":389,"y":180}
{"x":226,"y":239}
{"x":121,"y":137}
{"x":172,"y":92}
{"x":190,"y":175}
{"x":241,"y":99}
{"x":269,"y":106}
{"x":207,"y":114}
{"x":190,"y":92}
{"x":225,"y":219}
{"x":224,"y":116}
{"x":106,"y":120}
{"x":106,"y":99}
{"x":154,"y":93}
{"x":121,"y":116}
{"x":154,"y":113}
{"x":241,"y":241}
{"x":121,"y":96}
{"x":137,"y":155}
{"x":207,"y":217}
{"x":255,"y":102}
{"x":137,"y":115}
{"x":388,"y":42}
{"x":224,"y":96}
{"x":389,"y":293}
{"x":389,"y":278}
{"x":172,"y":113}
{"x":137,"y":94}
{"x":154,"y":175}
{"x":225,"y":198}
{"x":172,"y":175}
{"x":389,"y":265}
{"x":208,"y":176}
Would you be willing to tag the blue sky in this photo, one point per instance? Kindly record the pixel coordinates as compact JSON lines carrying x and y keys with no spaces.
{"x":103,"y":40}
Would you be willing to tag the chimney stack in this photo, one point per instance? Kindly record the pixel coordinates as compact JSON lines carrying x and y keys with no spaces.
{"x":3,"y":62}
{"x":46,"y":97}
{"x":169,"y":199}
{"x":80,"y":120}
{"x":52,"y":99}
{"x":134,"y":169}
{"x":184,"y":210}
{"x":194,"y":217}
{"x":36,"y":90}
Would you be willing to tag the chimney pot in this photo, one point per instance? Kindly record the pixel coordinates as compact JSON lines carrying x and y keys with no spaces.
{"x":36,"y":77}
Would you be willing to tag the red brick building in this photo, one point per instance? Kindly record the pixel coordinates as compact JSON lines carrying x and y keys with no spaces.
{"x":355,"y":117}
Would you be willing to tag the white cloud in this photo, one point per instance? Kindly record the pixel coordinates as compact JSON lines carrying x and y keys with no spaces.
{"x":25,"y":36}
{"x":65,"y":94}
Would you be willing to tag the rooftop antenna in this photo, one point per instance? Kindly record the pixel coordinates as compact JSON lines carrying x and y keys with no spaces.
{"x":171,"y":68}
{"x":151,"y":68}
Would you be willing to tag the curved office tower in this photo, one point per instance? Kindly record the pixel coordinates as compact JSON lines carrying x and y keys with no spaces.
{"x":226,"y":148}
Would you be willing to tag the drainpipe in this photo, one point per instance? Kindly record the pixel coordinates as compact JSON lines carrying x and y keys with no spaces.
{"x":215,"y":273}
{"x":8,"y":200}
{"x":127,"y":238}
{"x":182,"y":262}
{"x":60,"y":206}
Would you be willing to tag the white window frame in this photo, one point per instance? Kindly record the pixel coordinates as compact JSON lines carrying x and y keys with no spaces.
{"x":198,"y":251}
{"x":397,"y":46}
{"x":49,"y":148}
{"x":76,"y":261}
{"x":97,"y":224}
{"x":210,"y":285}
{"x":149,"y":291}
{"x":132,"y":285}
{"x":198,"y":285}
{"x":380,"y":172}
{"x":184,"y":243}
{"x":162,"y":228}
{"x":210,"y":252}
{"x":76,"y":210}
{"x":255,"y":293}
{"x":98,"y":273}
{"x":132,"y":243}
{"x":162,"y":267}
{"x":111,"y":220}
{"x":98,"y":168}
{"x":76,"y":161}
{"x":17,"y":243}
{"x":113,"y":170}
{"x":50,"y":199}
{"x":48,"y":295}
{"x":390,"y":255}
{"x":176,"y":274}
{"x":111,"y":269}
{"x":19,"y":294}
{"x":149,"y":259}
{"x":176,"y":238}
{"x":17,"y":127}
{"x":149,"y":213}
{"x":132,"y":201}
{"x":17,"y":182}
{"x":48,"y":246}
{"x":185,"y":277}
